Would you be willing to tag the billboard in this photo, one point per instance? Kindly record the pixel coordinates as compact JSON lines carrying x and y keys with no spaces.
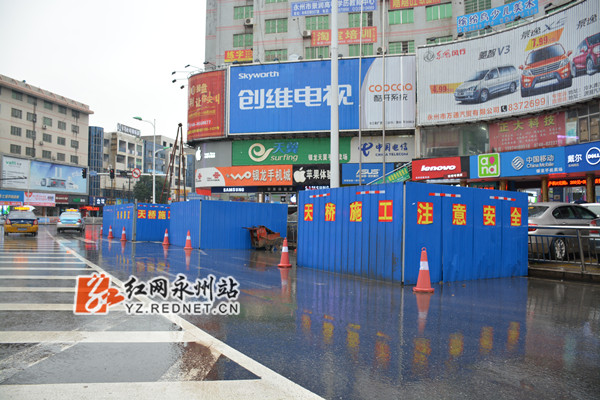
{"x":294,"y":97}
{"x":304,"y":8}
{"x":496,"y":16}
{"x":532,"y":67}
{"x":530,"y":132}
{"x":10,"y":198}
{"x":206,"y":105}
{"x":345,"y":36}
{"x":39,"y":199}
{"x":37,"y":175}
{"x":259,"y":175}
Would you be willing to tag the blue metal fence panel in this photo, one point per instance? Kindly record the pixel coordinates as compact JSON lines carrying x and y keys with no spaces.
{"x":118,"y":217}
{"x":151,"y":222}
{"x":108,"y":219}
{"x":457,"y":237}
{"x":185,"y":216}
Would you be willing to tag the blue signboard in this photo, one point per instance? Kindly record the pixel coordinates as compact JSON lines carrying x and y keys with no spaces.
{"x":583,"y":157}
{"x":496,"y":16}
{"x":533,"y":162}
{"x":370,"y":172}
{"x":303,"y":8}
{"x":97,"y":201}
{"x":10,"y":197}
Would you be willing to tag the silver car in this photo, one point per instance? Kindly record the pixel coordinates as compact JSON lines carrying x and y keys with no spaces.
{"x":70,"y":219}
{"x":558,"y":242}
{"x":487,"y":82}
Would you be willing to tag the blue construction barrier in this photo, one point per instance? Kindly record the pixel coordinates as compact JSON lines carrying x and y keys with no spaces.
{"x":468,"y":233}
{"x":220,"y":224}
{"x":118,"y":217}
{"x":142,"y":221}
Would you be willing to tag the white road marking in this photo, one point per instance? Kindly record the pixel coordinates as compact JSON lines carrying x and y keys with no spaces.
{"x":37,"y":289}
{"x":82,"y":268}
{"x":95,"y":337}
{"x":41,"y":277}
{"x":38,"y":262}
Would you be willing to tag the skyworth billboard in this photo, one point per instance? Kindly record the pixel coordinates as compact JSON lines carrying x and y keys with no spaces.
{"x":545,"y":64}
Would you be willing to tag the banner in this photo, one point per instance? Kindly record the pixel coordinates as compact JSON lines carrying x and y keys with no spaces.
{"x":345,"y":36}
{"x":294,"y":97}
{"x":532,"y":132}
{"x":37,"y":175}
{"x":398,"y":4}
{"x":238,"y":55}
{"x":260,"y":175}
{"x":304,"y":8}
{"x":206,"y":105}
{"x":39,"y":199}
{"x":532,"y":67}
{"x":496,"y":16}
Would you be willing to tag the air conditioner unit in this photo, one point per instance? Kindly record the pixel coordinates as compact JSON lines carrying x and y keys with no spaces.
{"x":41,"y":142}
{"x":43,"y":126}
{"x":306,"y":33}
{"x":249,"y":21}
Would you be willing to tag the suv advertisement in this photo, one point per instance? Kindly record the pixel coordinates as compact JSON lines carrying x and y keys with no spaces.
{"x":548,"y":63}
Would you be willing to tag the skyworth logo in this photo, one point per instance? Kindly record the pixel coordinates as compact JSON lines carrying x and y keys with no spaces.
{"x":258,"y":75}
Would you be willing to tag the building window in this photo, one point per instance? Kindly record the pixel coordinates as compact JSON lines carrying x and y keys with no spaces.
{"x":75,"y":114}
{"x":61,"y":140}
{"x":317,"y":22}
{"x":273,"y":55}
{"x":472,"y":6}
{"x":60,"y":156}
{"x":15,"y":131}
{"x":74,"y":128}
{"x":587,"y":119}
{"x":46,"y":137}
{"x":279,"y":25}
{"x":405,"y":16}
{"x":74,"y":144}
{"x":243,"y":12}
{"x":354,"y":19}
{"x":17,"y":95}
{"x":31,"y":100}
{"x":62,"y":109}
{"x":242,"y":40}
{"x":46,"y":154}
{"x":311,"y":53}
{"x":30,"y":134}
{"x":439,"y":11}
{"x":48,"y":105}
{"x":30,"y":151}
{"x":367,"y":49}
{"x":438,"y":40}
{"x":15,"y":149}
{"x":31,"y":117}
{"x":47,"y":121}
{"x":62,"y":125}
{"x":407,"y":46}
{"x":75,"y":159}
{"x":16,"y":113}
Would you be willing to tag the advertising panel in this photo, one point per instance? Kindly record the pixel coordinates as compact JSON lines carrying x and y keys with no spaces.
{"x":304,"y":8}
{"x":287,"y":151}
{"x":583,"y":157}
{"x":312,"y":174}
{"x":11,"y":198}
{"x":548,"y":63}
{"x":238,"y":55}
{"x":531,"y":132}
{"x":519,"y":163}
{"x":42,"y":176}
{"x":345,"y":36}
{"x":259,"y":175}
{"x":496,"y":16}
{"x":206,"y":105}
{"x":294,"y":97}
{"x":440,"y":168}
{"x":369,"y":172}
{"x":39,"y":199}
{"x":398,"y":149}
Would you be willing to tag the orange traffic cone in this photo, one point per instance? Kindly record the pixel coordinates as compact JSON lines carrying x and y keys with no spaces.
{"x":123,"y":236}
{"x":188,"y":242}
{"x":188,"y":257}
{"x":423,"y":281}
{"x":101,"y":231}
{"x":285,"y":256}
{"x":423,"y":306}
{"x":166,"y":240}
{"x":123,"y":243}
{"x":166,"y":252}
{"x":110,"y":235}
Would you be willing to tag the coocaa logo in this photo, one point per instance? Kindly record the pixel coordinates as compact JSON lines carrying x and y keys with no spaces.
{"x":489,"y":165}
{"x":593,"y":156}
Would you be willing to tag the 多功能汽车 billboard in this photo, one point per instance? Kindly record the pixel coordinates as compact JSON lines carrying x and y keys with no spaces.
{"x":28,"y":175}
{"x":206,"y":105}
{"x":295,"y":97}
{"x":545,"y":64}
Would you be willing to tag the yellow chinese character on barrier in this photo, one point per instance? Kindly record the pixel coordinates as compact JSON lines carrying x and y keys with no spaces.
{"x":424,"y":213}
{"x":152,"y":214}
{"x":386,"y":209}
{"x":356,"y":211}
{"x":141,"y":214}
{"x":308,"y":212}
{"x":162,"y":215}
{"x":515,"y":216}
{"x":489,"y":215}
{"x":459,"y":214}
{"x":330,"y":212}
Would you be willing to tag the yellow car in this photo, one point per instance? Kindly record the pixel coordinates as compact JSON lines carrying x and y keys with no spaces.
{"x":21,"y":221}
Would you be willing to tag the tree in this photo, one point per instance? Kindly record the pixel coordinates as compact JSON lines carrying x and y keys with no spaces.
{"x":142,"y":191}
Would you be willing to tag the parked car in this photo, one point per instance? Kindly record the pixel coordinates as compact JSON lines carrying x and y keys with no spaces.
{"x":546,"y":67}
{"x":593,"y":207}
{"x":70,"y":219}
{"x":587,"y":55}
{"x":558,"y":242}
{"x":21,"y":220}
{"x":487,"y":82}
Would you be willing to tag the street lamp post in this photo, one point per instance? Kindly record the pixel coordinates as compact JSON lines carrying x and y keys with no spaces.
{"x":153,"y":123}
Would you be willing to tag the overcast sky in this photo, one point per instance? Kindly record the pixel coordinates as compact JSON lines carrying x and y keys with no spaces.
{"x":116,"y":56}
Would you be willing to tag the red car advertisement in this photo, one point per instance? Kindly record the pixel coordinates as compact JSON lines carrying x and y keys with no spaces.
{"x":206,"y":105}
{"x":438,"y":168}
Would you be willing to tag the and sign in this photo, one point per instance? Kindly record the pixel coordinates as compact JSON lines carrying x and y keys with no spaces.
{"x":287,"y":151}
{"x":345,"y":36}
{"x":11,"y":198}
{"x":238,"y":55}
{"x":370,"y":149}
{"x":206,"y":105}
{"x":259,"y":175}
{"x":488,"y":165}
{"x":531,"y":132}
{"x":368,"y":173}
{"x":440,"y":168}
{"x":43,"y":176}
{"x":583,"y":157}
{"x":294,"y":97}
{"x":496,"y":16}
{"x":304,"y":8}
{"x":523,"y":70}
{"x":39,"y":199}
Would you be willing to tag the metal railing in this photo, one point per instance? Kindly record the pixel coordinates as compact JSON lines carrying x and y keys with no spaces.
{"x":573,"y":246}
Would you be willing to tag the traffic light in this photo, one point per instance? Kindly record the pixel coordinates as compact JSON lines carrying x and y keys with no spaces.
{"x":112,"y":173}
{"x":83,"y":173}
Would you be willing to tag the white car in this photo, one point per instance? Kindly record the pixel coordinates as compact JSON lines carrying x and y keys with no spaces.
{"x":70,"y":219}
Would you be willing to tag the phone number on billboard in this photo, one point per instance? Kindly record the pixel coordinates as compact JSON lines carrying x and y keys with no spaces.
{"x":523,"y":105}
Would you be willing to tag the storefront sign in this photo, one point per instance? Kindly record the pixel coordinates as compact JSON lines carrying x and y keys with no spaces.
{"x":369,"y":173}
{"x":287,"y":151}
{"x":61,"y":199}
{"x":398,"y":4}
{"x":571,"y":182}
{"x":400,"y":175}
{"x":583,"y":157}
{"x":319,"y":174}
{"x":439,"y":168}
{"x":260,"y":175}
{"x":496,"y":16}
{"x":39,"y":199}
{"x":533,"y":162}
{"x":11,"y":198}
{"x":129,"y":130}
{"x":547,"y":130}
{"x":78,"y":200}
{"x":304,"y":8}
{"x":370,"y":149}
{"x":345,"y":36}
{"x":206,"y":105}
{"x":238,"y":55}
{"x":97,"y":201}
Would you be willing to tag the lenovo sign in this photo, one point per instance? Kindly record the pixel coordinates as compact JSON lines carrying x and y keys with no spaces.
{"x":437,"y":168}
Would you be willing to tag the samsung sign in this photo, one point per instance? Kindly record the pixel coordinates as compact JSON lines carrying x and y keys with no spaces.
{"x":583,"y":157}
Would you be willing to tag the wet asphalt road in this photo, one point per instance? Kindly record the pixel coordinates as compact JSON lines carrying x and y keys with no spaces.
{"x":337,"y":336}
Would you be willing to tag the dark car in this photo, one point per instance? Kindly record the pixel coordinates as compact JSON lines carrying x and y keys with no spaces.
{"x":587,"y":55}
{"x":546,"y":67}
{"x":21,"y":220}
